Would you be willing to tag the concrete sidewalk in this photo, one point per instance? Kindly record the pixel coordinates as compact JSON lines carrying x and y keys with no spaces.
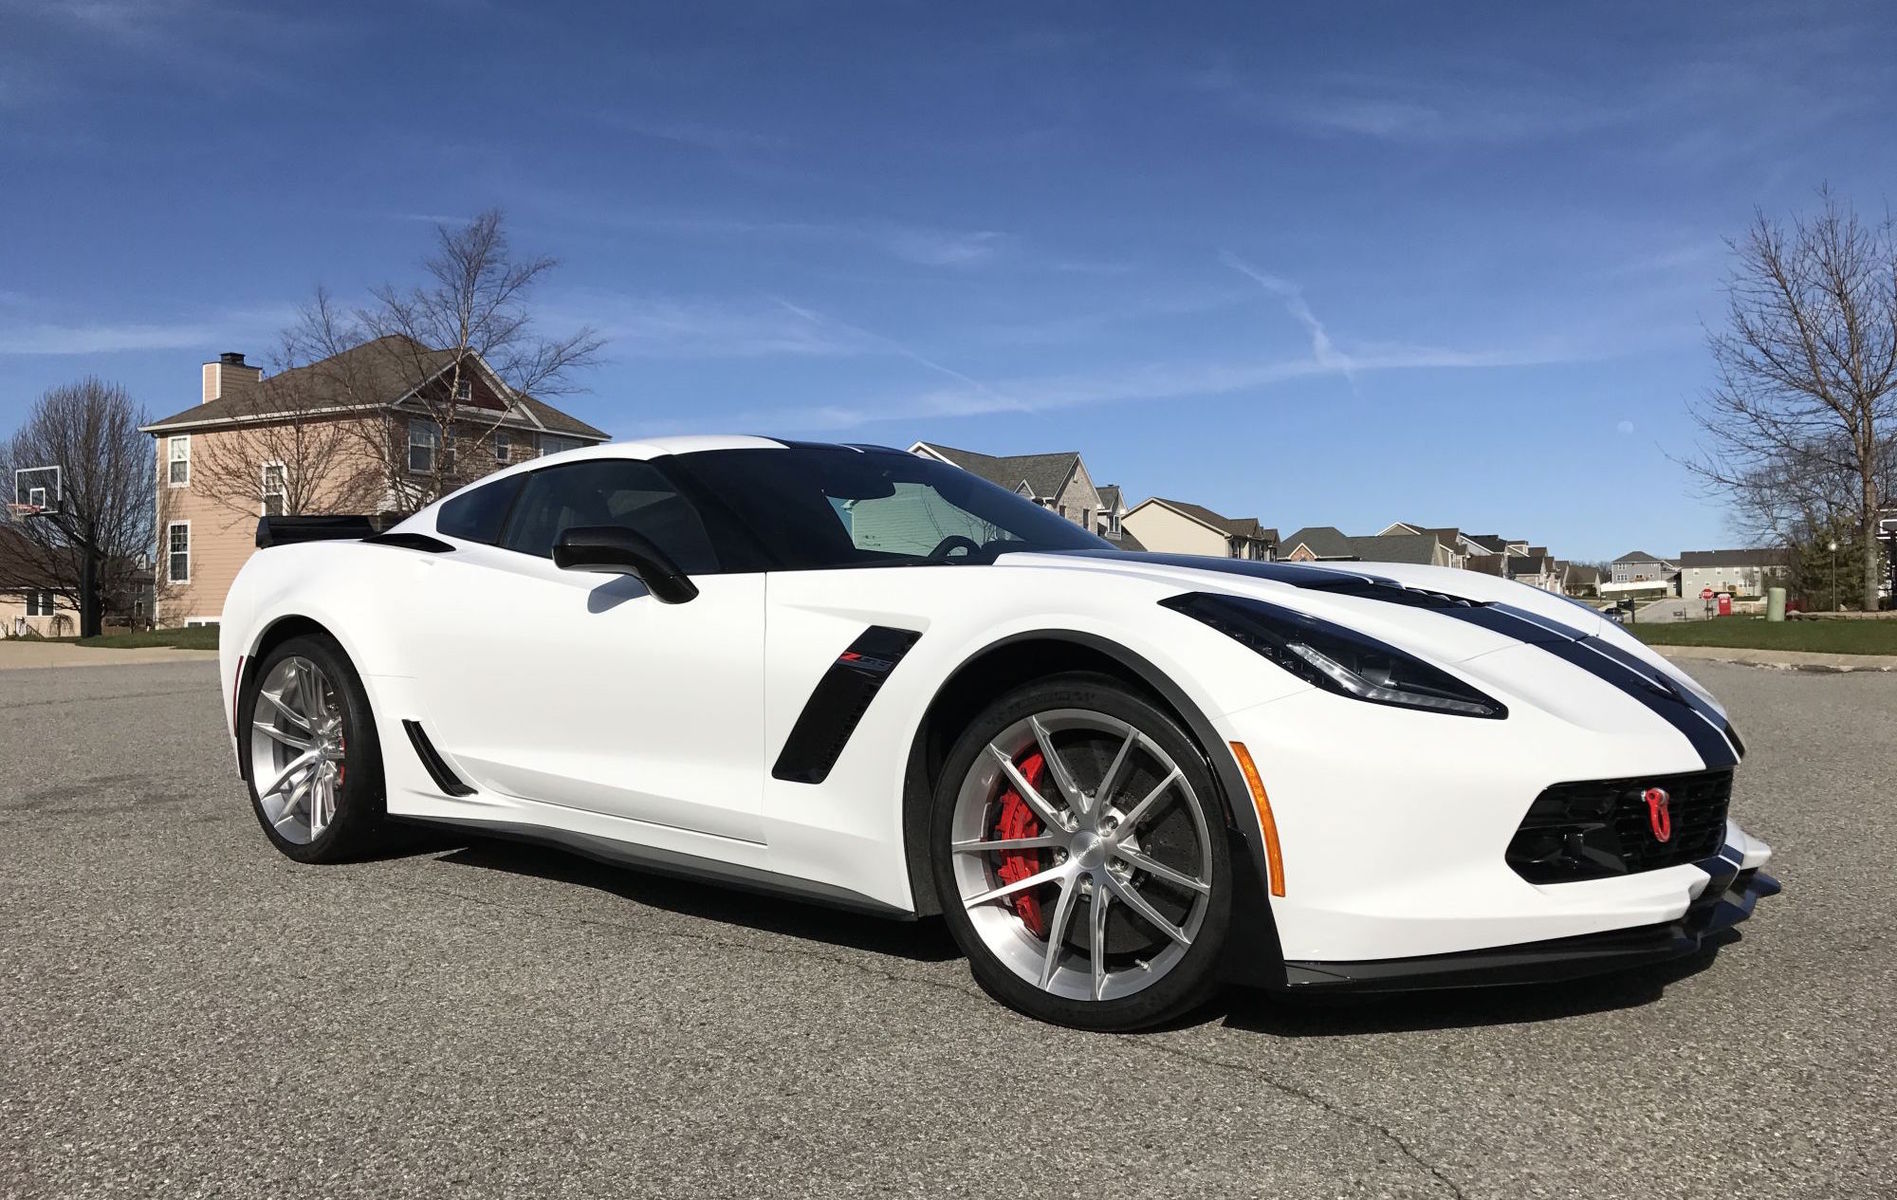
{"x":28,"y":654}
{"x":1796,"y":660}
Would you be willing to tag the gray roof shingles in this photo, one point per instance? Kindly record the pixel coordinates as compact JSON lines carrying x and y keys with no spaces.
{"x":1243,"y":527}
{"x":385,"y":368}
{"x":1325,"y":541}
{"x":1045,"y":474}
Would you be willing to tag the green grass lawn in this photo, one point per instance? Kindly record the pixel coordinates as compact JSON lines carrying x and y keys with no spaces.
{"x":198,"y":637}
{"x":1826,"y":637}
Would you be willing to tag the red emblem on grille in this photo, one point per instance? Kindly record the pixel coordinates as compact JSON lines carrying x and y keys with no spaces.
{"x":1659,"y":815}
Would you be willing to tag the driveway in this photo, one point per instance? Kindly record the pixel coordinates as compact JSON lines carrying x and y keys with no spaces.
{"x":187,"y":1013}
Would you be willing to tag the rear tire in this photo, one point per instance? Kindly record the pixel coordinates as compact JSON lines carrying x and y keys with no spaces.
{"x":1123,"y":831}
{"x":306,"y":734}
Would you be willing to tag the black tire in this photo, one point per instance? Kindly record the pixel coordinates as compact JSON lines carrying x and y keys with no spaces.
{"x":1193,"y":978}
{"x":360,"y":824}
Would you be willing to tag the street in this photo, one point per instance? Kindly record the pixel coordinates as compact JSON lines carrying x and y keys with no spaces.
{"x":188,"y":1013}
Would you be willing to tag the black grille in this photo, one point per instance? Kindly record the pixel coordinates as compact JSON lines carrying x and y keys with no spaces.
{"x":1602,"y":827}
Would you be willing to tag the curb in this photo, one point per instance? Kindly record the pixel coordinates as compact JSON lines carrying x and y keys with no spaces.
{"x":1783,"y":660}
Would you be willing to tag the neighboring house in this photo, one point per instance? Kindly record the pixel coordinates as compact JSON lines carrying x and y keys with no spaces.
{"x":1539,"y":569}
{"x":1056,"y":481}
{"x":1638,"y":566}
{"x":1580,"y":580}
{"x":1741,"y":572}
{"x":1458,"y":543}
{"x":1536,"y":570}
{"x":1316,"y":543}
{"x":28,"y":602}
{"x":1493,"y":543}
{"x":1425,"y":549}
{"x":1327,"y":543}
{"x":1110,"y":522}
{"x":202,"y":543}
{"x":1176,"y":527}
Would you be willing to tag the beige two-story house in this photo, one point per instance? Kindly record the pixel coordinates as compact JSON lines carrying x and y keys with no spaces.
{"x":1178,"y":527}
{"x":207,"y":526}
{"x":1058,"y":481}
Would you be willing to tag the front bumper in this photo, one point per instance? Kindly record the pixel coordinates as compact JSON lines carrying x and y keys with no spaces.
{"x":1730,"y":893}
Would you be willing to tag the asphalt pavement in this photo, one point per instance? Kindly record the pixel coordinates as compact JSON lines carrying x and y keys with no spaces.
{"x":183,"y":1012}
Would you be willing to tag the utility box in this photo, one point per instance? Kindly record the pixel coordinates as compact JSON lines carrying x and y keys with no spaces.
{"x":1775,"y":604}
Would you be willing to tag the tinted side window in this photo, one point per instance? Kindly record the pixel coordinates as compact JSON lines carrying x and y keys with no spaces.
{"x":608,"y":491}
{"x":476,"y":515}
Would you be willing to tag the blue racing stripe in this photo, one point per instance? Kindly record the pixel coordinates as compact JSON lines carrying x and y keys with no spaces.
{"x":1638,"y":680}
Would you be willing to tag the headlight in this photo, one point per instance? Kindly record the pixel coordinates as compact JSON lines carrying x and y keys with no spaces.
{"x":1337,"y":659}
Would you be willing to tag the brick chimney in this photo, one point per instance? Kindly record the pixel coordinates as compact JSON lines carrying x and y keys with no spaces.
{"x":230,"y":375}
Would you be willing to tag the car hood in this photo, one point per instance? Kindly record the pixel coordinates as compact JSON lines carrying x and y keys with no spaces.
{"x":1451,"y":617}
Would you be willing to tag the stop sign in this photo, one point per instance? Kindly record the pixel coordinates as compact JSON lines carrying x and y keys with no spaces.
{"x":1705,"y":593}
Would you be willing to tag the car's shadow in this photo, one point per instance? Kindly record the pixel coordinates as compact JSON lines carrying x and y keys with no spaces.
{"x":1460,"y":1008}
{"x":928,"y":940}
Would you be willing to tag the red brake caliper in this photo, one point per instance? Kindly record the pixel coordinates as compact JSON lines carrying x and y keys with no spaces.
{"x":1018,"y":821}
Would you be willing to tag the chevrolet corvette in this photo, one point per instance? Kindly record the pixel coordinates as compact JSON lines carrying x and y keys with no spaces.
{"x":854,"y":676}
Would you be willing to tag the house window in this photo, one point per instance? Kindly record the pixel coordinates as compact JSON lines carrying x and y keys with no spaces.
{"x":424,"y":439}
{"x":178,"y":468}
{"x":503,"y":446}
{"x":39,"y":603}
{"x":178,"y":551}
{"x":275,"y":489}
{"x":464,"y":391}
{"x":550,"y":444}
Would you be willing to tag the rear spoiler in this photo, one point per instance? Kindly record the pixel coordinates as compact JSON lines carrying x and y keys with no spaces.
{"x":285,"y":531}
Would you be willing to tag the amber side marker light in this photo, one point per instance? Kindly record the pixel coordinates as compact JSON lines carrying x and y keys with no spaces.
{"x":1274,"y":860}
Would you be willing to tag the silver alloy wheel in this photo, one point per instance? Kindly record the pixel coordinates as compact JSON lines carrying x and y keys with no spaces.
{"x":296,"y":749}
{"x":1091,"y":832}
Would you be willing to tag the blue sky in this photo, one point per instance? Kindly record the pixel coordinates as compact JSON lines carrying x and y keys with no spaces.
{"x":1335,"y":264}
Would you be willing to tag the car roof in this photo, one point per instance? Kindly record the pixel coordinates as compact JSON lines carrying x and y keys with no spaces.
{"x":647,"y":448}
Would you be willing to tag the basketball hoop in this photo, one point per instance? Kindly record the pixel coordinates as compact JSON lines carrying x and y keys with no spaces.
{"x":21,"y":511}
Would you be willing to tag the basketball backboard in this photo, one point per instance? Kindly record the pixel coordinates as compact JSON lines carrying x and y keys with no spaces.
{"x":36,"y":491}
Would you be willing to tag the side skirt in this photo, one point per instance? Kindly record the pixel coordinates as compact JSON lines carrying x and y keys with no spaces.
{"x":674,"y":864}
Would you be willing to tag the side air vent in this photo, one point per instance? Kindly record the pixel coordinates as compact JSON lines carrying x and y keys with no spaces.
{"x":444,"y":778}
{"x":838,"y":703}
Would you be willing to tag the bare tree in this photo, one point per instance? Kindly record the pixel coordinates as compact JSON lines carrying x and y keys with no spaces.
{"x":432,"y":342}
{"x":1801,"y":425}
{"x":296,"y":457}
{"x":93,"y":547}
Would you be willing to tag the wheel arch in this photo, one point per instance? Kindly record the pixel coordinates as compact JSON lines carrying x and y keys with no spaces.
{"x":1252,"y":951}
{"x":273,"y":634}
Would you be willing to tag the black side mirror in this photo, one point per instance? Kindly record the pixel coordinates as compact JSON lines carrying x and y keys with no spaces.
{"x":612,"y":550}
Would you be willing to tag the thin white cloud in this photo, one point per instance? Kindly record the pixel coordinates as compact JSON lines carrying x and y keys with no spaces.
{"x":885,"y":344}
{"x":101,"y":338}
{"x":939,"y":248}
{"x":1324,"y":351}
{"x":251,"y":328}
{"x":922,"y":245}
{"x":1153,"y":382}
{"x":662,"y":327}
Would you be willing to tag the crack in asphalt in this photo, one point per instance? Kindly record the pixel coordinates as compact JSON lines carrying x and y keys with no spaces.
{"x":1312,"y":1098}
{"x":1137,"y":1041}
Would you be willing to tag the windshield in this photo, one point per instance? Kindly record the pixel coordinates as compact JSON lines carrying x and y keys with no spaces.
{"x":818,"y":507}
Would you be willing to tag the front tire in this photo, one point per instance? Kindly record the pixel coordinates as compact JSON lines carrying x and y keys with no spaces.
{"x":312,"y":760}
{"x":1077,"y":845}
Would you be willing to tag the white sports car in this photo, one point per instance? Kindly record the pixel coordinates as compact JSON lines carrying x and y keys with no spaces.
{"x":856,"y":676}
